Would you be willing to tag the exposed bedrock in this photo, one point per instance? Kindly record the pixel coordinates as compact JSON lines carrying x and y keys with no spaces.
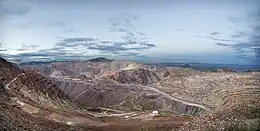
{"x":106,"y":93}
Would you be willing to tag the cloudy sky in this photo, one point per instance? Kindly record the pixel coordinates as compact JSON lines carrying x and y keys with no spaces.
{"x":213,"y":31}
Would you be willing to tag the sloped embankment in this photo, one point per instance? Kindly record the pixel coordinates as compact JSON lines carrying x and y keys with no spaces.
{"x":31,"y":102}
{"x":125,"y":91}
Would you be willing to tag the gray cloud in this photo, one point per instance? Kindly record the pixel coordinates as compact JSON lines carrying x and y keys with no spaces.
{"x":214,"y":33}
{"x":14,"y":7}
{"x":130,"y":42}
{"x":222,"y":44}
{"x":235,"y":20}
{"x":105,"y":42}
{"x":108,"y":48}
{"x":57,"y":48}
{"x":46,"y":55}
{"x":216,"y":39}
{"x":26,"y":47}
{"x":178,"y":30}
{"x":131,"y":35}
{"x":17,"y":10}
{"x":220,"y":39}
{"x":253,"y":41}
{"x":104,"y":45}
{"x":246,"y":45}
{"x":131,"y":38}
{"x":75,"y":42}
{"x":257,"y":51}
{"x":71,"y":40}
{"x":254,"y":38}
{"x":239,"y":34}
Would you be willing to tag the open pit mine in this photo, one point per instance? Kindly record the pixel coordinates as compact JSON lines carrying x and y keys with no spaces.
{"x":116,"y":95}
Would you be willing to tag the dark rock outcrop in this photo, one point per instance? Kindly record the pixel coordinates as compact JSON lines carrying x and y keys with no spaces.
{"x":4,"y":63}
{"x":100,"y":59}
{"x":138,"y":76}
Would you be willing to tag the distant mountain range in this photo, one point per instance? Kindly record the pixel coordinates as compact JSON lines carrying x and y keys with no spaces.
{"x":208,"y":66}
{"x":194,"y":65}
